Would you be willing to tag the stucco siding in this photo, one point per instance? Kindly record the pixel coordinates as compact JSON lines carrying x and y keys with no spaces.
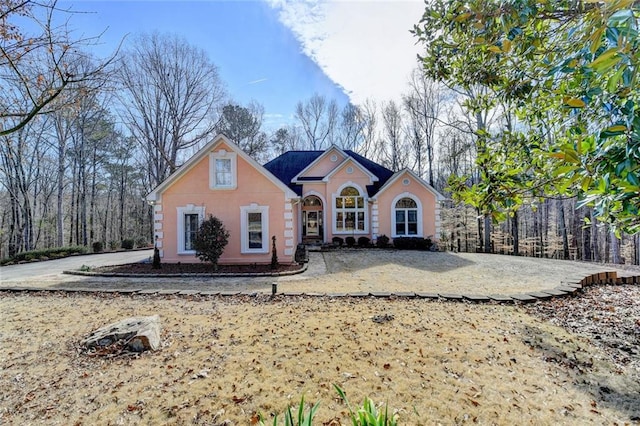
{"x":252,"y":189}
{"x":386,"y":206}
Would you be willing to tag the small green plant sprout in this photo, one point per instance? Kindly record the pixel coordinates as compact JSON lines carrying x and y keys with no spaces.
{"x":85,"y":268}
{"x":368,"y":414}
{"x":302,"y":419}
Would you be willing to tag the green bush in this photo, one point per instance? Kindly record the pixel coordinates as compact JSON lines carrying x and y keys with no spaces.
{"x":412,"y":243}
{"x":51,"y":253}
{"x":127,"y":244}
{"x":337,"y":241}
{"x":211,"y":240}
{"x":382,"y":241}
{"x":113,"y":245}
{"x":351,"y":241}
{"x":364,"y":242}
{"x":97,"y":247}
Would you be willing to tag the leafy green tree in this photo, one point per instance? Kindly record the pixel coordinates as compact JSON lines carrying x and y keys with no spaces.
{"x":211,"y":240}
{"x":568,"y":69}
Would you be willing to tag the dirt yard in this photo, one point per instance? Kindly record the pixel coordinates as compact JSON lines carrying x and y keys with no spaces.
{"x":226,"y":359}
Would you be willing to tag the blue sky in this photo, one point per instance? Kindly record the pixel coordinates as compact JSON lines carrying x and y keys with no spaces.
{"x":276,"y":52}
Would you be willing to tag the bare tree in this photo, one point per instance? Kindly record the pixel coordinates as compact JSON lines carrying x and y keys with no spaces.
{"x":172,"y":92}
{"x":395,"y":149}
{"x":369,"y":114}
{"x":423,"y":104}
{"x":244,"y":126}
{"x":318,"y":118}
{"x":351,"y":127}
{"x":36,"y":67}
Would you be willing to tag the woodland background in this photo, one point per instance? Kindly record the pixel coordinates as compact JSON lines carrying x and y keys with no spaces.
{"x":84,"y":139}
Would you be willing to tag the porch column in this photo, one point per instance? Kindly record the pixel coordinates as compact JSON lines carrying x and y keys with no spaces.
{"x":288,"y":229}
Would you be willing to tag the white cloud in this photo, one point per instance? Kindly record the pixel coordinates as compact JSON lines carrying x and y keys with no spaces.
{"x":363,"y":46}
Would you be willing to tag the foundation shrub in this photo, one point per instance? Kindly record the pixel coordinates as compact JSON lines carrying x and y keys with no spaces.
{"x":382,"y":241}
{"x":364,"y":242}
{"x":350,"y":241}
{"x":412,"y":243}
{"x":337,"y":241}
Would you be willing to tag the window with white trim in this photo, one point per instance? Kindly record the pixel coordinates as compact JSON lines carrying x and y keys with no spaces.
{"x":223,"y":166}
{"x":254,"y":228}
{"x":406,"y":211}
{"x":350,"y":211}
{"x":191,"y":225}
{"x":189,"y":219}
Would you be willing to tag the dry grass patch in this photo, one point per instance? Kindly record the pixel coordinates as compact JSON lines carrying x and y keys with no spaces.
{"x":230,"y":358}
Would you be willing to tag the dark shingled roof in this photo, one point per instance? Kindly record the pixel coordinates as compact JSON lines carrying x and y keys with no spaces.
{"x":289,"y":164}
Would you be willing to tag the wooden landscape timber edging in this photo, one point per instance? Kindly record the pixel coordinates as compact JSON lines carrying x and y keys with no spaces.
{"x":569,"y":287}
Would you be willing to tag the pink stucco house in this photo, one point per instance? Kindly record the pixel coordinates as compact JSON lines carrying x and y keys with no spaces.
{"x":299,"y":197}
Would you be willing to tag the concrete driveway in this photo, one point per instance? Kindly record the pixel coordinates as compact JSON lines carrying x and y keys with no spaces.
{"x":45,"y":270}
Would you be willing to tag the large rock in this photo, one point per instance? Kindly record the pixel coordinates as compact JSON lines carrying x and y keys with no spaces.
{"x":137,"y":334}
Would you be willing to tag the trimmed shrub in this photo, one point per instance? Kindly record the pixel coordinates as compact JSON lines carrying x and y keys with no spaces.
{"x":113,"y":245}
{"x":412,"y":243}
{"x":301,"y":254}
{"x":97,"y":247}
{"x":211,"y":240}
{"x":156,"y":259}
{"x":350,"y":241}
{"x":364,"y":242}
{"x":127,"y":244}
{"x":337,"y":241}
{"x":274,"y":253}
{"x":382,"y":241}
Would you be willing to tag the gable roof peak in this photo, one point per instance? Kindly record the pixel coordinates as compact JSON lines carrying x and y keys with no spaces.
{"x":155,"y":194}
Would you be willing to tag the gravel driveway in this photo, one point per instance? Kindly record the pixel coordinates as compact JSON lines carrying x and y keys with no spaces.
{"x":343,"y":271}
{"x":439,"y":272}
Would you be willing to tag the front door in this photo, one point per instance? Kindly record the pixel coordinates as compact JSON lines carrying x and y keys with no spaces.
{"x":312,"y":223}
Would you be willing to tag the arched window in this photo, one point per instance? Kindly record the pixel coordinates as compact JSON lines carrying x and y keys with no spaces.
{"x":406,"y":215}
{"x":312,"y":201}
{"x":349,"y":212}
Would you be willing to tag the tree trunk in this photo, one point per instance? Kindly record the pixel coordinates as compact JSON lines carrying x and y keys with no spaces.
{"x":60,"y":194}
{"x":514,"y":234}
{"x":607,"y":246}
{"x":586,"y":242}
{"x":487,"y":233}
{"x":480,"y":233}
{"x":595,"y":246}
{"x":563,"y":230}
{"x":615,"y":248}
